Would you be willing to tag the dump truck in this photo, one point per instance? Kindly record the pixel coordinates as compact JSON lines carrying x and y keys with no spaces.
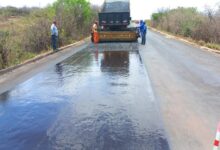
{"x":114,"y":22}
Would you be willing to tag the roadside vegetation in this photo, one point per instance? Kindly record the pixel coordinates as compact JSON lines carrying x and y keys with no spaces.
{"x":25,"y":32}
{"x":200,"y":27}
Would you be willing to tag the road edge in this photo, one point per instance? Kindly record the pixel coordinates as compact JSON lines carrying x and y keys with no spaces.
{"x":39,"y":57}
{"x":185,"y":41}
{"x":18,"y":74}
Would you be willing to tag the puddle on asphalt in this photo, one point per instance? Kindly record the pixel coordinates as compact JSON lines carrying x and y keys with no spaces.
{"x":91,"y":101}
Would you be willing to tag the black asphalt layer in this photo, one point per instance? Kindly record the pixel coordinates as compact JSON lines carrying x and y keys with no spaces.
{"x":94,"y":100}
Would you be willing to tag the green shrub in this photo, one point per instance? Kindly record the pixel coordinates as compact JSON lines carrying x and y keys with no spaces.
{"x":74,"y":19}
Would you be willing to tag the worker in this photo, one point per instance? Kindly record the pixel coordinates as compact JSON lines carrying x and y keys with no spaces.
{"x":144,"y":33}
{"x":54,"y":35}
{"x":94,"y":29}
{"x":143,"y":30}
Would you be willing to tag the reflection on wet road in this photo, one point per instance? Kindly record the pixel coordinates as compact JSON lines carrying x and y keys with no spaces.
{"x":91,"y":101}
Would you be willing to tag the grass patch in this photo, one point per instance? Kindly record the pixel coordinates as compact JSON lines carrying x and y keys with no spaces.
{"x":213,"y":46}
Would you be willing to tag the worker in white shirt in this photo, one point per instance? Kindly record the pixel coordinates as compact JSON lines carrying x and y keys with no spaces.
{"x":54,"y":35}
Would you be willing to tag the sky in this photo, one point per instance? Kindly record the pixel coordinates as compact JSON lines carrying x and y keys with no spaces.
{"x":140,"y":9}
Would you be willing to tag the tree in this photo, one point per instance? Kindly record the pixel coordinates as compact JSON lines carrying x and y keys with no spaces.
{"x":73,"y":17}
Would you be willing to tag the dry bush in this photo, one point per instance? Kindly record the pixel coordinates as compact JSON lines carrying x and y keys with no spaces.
{"x":182,"y":21}
{"x":4,"y":50}
{"x":190,"y":23}
{"x":209,"y":29}
{"x":37,"y":36}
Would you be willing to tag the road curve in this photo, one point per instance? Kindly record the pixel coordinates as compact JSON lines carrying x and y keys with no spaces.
{"x":186,"y":81}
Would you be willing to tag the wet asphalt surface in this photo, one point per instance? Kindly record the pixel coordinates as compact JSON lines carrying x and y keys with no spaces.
{"x":90,"y":101}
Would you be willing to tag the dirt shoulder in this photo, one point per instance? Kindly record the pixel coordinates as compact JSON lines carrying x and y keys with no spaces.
{"x":14,"y":75}
{"x":185,"y":40}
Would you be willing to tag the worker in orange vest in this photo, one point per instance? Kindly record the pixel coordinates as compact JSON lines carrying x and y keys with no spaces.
{"x":94,"y":30}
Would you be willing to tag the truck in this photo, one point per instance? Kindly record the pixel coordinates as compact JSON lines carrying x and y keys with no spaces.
{"x":114,"y":22}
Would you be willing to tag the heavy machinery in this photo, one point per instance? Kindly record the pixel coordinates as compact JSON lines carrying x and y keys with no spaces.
{"x":114,"y":22}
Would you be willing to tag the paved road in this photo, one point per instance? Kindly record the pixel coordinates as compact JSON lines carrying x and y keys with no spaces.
{"x":105,"y":100}
{"x":186,"y":80}
{"x":91,"y":101}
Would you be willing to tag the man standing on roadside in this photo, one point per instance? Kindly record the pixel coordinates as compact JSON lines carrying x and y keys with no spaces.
{"x":144,"y":33}
{"x":54,"y":35}
{"x":143,"y":30}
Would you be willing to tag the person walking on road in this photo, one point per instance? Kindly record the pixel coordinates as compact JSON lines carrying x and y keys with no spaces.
{"x":143,"y":30}
{"x":54,"y":35}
